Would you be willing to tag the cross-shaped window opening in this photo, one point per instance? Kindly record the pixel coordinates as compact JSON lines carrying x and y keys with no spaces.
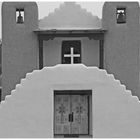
{"x":72,"y":55}
{"x":71,"y":52}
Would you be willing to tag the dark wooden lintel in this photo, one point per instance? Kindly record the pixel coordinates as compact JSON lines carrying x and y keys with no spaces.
{"x":96,"y":36}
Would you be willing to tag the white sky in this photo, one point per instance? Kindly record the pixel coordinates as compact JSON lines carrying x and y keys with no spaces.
{"x":45,"y":8}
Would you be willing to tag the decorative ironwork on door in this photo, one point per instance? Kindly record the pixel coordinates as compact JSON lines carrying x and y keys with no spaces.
{"x":71,"y":114}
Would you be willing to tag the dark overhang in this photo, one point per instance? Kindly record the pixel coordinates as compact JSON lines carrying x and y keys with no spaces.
{"x":97,"y":34}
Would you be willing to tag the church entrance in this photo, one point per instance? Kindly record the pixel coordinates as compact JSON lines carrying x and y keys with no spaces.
{"x":71,"y":113}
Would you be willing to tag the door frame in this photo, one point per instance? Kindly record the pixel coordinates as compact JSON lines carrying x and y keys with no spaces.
{"x":76,"y":92}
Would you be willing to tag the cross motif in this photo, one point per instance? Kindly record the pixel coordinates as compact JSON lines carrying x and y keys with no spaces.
{"x":72,"y":55}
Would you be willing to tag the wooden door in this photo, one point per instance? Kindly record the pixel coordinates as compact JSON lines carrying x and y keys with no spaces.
{"x":80,"y":114}
{"x":71,"y":115}
{"x":62,"y":111}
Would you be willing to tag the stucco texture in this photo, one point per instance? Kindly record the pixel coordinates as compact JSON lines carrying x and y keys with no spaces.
{"x":28,"y":111}
{"x":121,"y":43}
{"x":19,"y":44}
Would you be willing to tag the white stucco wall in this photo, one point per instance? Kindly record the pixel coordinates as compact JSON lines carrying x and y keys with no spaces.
{"x":70,"y":15}
{"x":28,"y":111}
{"x":52,"y":51}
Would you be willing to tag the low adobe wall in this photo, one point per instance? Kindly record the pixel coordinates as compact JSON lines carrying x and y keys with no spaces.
{"x":28,"y":111}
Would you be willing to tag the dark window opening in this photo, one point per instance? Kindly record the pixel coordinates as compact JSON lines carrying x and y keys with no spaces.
{"x":71,"y":52}
{"x":121,"y":15}
{"x":20,"y":16}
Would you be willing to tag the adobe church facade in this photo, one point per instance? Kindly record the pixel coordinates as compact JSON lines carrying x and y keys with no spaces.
{"x":70,"y":39}
{"x":113,"y":46}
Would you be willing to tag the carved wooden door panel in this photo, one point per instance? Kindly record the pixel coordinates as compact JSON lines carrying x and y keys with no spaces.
{"x":80,"y":114}
{"x":62,"y":111}
{"x":71,"y":114}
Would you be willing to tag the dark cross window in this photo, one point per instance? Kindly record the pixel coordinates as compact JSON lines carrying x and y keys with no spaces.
{"x":20,"y":16}
{"x":71,"y":52}
{"x":121,"y":15}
